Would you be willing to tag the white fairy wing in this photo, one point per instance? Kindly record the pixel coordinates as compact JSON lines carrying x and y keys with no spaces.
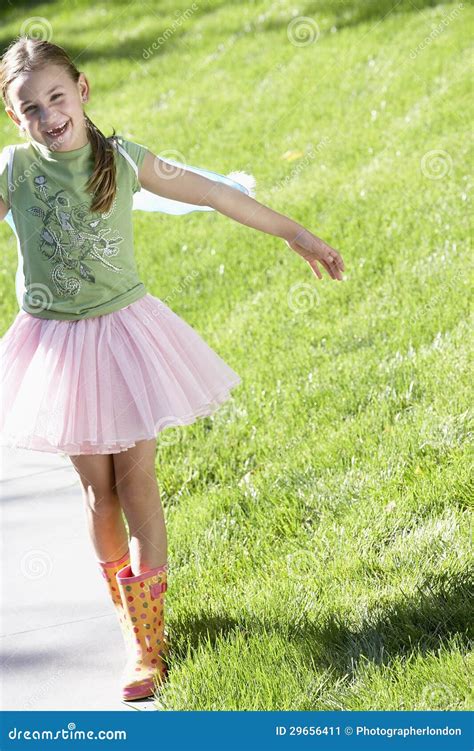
{"x":144,"y":200}
{"x":9,"y":220}
{"x":19,"y":276}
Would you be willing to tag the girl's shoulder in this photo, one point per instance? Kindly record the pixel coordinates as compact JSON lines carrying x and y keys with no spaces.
{"x":134,"y":149}
{"x":9,"y":151}
{"x":134,"y":154}
{"x":5,"y":150}
{"x":5,"y":153}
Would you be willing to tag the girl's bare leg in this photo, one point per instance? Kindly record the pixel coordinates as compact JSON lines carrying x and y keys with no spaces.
{"x":103,"y":510}
{"x":138,"y":492}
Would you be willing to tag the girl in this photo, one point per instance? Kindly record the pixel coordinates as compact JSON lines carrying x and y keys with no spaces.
{"x":93,"y":365}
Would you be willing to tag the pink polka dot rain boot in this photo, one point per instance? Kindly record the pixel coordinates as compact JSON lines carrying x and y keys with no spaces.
{"x":109,"y":572}
{"x":143,"y":603}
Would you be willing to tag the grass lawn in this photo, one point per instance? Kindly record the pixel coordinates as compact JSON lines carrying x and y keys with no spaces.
{"x":319,"y":521}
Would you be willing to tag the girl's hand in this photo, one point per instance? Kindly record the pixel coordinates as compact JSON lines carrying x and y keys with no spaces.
{"x":313,"y":249}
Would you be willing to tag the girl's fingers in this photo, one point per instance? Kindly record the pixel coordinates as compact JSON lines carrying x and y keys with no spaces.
{"x":320,"y":252}
{"x":315,"y":269}
{"x":330,"y":269}
{"x":314,"y":265}
{"x":318,"y":272}
{"x":327,"y":267}
{"x":334,"y":258}
{"x":335,"y":264}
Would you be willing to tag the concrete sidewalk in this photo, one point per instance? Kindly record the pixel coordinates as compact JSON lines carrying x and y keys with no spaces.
{"x":61,"y":646}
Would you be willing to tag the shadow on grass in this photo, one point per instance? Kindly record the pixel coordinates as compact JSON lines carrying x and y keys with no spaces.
{"x":167,"y":38}
{"x":421,"y":622}
{"x":162,"y":30}
{"x":353,"y":12}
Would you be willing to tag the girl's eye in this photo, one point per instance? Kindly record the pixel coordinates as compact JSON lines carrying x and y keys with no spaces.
{"x":32,"y":106}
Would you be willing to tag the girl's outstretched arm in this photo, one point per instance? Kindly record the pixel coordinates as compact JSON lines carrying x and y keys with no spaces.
{"x":184,"y":185}
{"x":247,"y":210}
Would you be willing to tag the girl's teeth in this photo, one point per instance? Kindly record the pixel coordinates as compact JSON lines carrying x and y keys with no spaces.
{"x":57,"y":130}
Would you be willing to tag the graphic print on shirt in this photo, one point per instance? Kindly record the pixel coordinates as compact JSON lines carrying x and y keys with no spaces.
{"x":72,"y":239}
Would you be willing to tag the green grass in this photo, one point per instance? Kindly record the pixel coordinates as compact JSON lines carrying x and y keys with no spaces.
{"x":319,"y":522}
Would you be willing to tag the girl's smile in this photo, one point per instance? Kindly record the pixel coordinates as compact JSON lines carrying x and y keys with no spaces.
{"x":59,"y":131}
{"x":48,"y":106}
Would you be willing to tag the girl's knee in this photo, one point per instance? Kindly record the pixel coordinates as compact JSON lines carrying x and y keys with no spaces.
{"x":96,"y":473}
{"x":101,"y":502}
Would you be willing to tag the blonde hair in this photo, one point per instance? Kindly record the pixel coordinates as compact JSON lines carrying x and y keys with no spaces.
{"x":25,"y":55}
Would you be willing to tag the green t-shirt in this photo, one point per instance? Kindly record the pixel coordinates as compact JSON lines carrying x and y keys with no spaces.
{"x":76,"y":264}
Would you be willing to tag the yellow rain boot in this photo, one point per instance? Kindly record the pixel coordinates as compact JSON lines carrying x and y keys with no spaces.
{"x":109,"y":571}
{"x":143,"y":603}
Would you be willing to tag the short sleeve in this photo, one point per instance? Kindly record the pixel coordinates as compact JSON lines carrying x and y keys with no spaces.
{"x":137,"y":152}
{"x":4,"y":175}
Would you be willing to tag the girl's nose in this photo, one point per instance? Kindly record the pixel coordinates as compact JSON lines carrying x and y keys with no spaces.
{"x":45,"y":115}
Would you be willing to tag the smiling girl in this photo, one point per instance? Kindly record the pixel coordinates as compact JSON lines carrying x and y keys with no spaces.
{"x":93,"y":365}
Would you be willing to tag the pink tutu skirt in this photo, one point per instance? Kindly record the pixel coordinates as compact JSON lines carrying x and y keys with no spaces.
{"x":98,"y":385}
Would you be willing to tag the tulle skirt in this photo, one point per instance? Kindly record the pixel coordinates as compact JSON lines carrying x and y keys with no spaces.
{"x":98,"y":385}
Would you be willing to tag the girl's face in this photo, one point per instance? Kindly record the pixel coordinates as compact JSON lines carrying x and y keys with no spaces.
{"x":45,"y":100}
